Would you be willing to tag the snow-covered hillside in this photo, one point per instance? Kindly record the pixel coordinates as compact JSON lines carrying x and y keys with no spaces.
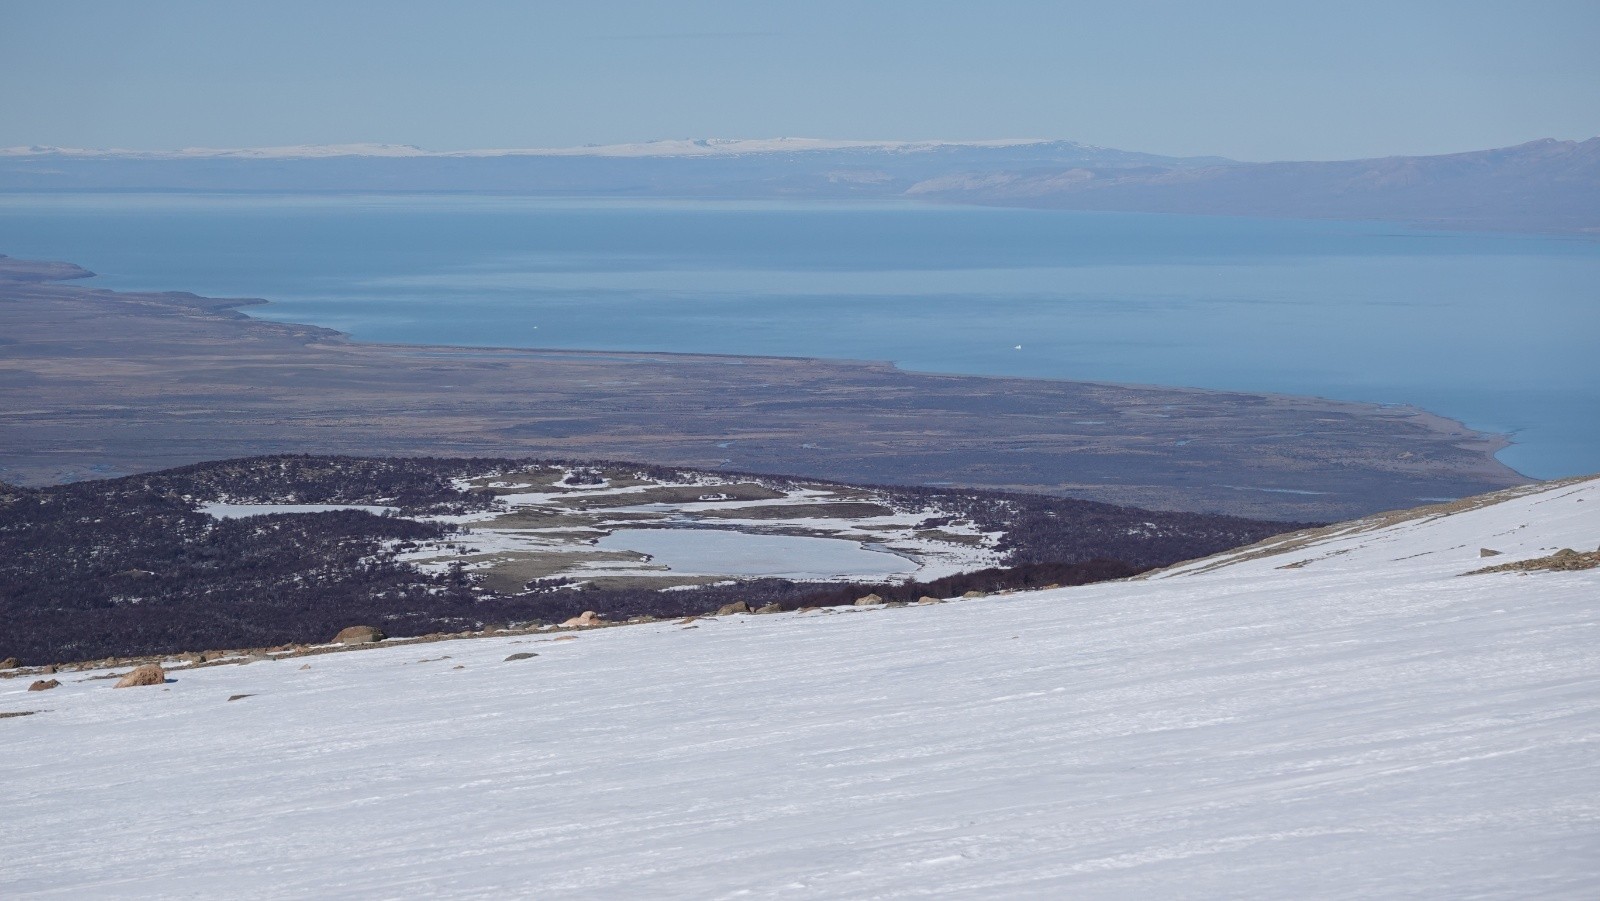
{"x":1341,"y":715}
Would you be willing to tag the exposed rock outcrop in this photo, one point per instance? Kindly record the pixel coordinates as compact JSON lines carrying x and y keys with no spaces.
{"x":359,"y":635}
{"x":1565,"y":559}
{"x":149,"y":674}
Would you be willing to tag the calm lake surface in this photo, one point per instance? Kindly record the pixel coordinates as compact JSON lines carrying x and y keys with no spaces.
{"x":1499,"y":331}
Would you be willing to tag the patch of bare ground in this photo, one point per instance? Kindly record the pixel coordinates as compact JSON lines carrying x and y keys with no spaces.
{"x":848,"y":510}
{"x":950,"y":537}
{"x":555,"y":479}
{"x":534,"y":519}
{"x":1564,"y":560}
{"x":673,"y":494}
{"x":512,"y":572}
{"x":653,"y":582}
{"x":543,"y":478}
{"x":615,"y":478}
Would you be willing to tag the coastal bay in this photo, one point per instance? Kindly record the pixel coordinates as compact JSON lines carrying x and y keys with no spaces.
{"x":1493,"y":330}
{"x":96,"y":383}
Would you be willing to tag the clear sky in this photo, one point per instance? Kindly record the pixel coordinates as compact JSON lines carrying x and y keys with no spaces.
{"x":1250,"y":80}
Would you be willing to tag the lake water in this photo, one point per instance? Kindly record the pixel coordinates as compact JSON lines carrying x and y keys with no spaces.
{"x":720,"y":552}
{"x":1499,"y":331}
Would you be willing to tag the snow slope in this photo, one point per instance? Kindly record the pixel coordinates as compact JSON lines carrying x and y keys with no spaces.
{"x":1347,"y":717}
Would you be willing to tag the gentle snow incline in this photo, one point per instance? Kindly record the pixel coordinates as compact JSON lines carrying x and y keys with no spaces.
{"x":1369,"y":724}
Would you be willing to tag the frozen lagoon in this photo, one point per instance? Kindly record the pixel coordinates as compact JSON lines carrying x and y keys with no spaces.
{"x":718,"y":552}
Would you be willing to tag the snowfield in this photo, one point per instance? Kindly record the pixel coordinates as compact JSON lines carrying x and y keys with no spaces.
{"x":1336,"y":716}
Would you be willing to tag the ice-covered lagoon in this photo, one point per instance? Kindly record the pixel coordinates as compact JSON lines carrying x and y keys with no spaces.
{"x":687,"y":551}
{"x":1494,"y":330}
{"x":720,"y":552}
{"x":720,"y":529}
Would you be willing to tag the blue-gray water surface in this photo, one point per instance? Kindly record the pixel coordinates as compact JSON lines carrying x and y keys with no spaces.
{"x":1499,"y":331}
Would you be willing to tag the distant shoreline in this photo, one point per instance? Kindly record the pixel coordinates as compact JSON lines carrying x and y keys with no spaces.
{"x":1439,"y":422}
{"x":99,"y":383}
{"x":1544,"y":186}
{"x":1444,"y":226}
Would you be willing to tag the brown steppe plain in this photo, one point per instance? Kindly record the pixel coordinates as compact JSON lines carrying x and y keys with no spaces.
{"x":95,"y":383}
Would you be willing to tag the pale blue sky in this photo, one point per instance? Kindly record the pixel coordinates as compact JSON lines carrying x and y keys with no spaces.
{"x":1250,"y":80}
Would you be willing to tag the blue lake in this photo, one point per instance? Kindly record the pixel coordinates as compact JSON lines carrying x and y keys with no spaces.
{"x":1499,"y":331}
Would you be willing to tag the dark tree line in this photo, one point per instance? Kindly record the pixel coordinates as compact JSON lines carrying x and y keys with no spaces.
{"x":129,"y":566}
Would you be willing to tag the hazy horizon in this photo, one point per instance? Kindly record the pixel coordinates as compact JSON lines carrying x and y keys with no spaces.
{"x":1250,"y":81}
{"x":829,"y":142}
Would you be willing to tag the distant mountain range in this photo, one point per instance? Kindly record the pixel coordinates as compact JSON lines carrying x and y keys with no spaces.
{"x":1545,"y":185}
{"x":1036,"y":149}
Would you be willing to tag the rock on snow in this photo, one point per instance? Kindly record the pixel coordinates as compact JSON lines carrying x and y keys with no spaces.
{"x":1349,"y":717}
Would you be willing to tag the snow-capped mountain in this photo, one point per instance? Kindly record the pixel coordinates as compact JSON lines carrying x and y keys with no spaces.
{"x":1351,"y":712}
{"x":695,"y":147}
{"x":759,"y":168}
{"x":1544,"y":185}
